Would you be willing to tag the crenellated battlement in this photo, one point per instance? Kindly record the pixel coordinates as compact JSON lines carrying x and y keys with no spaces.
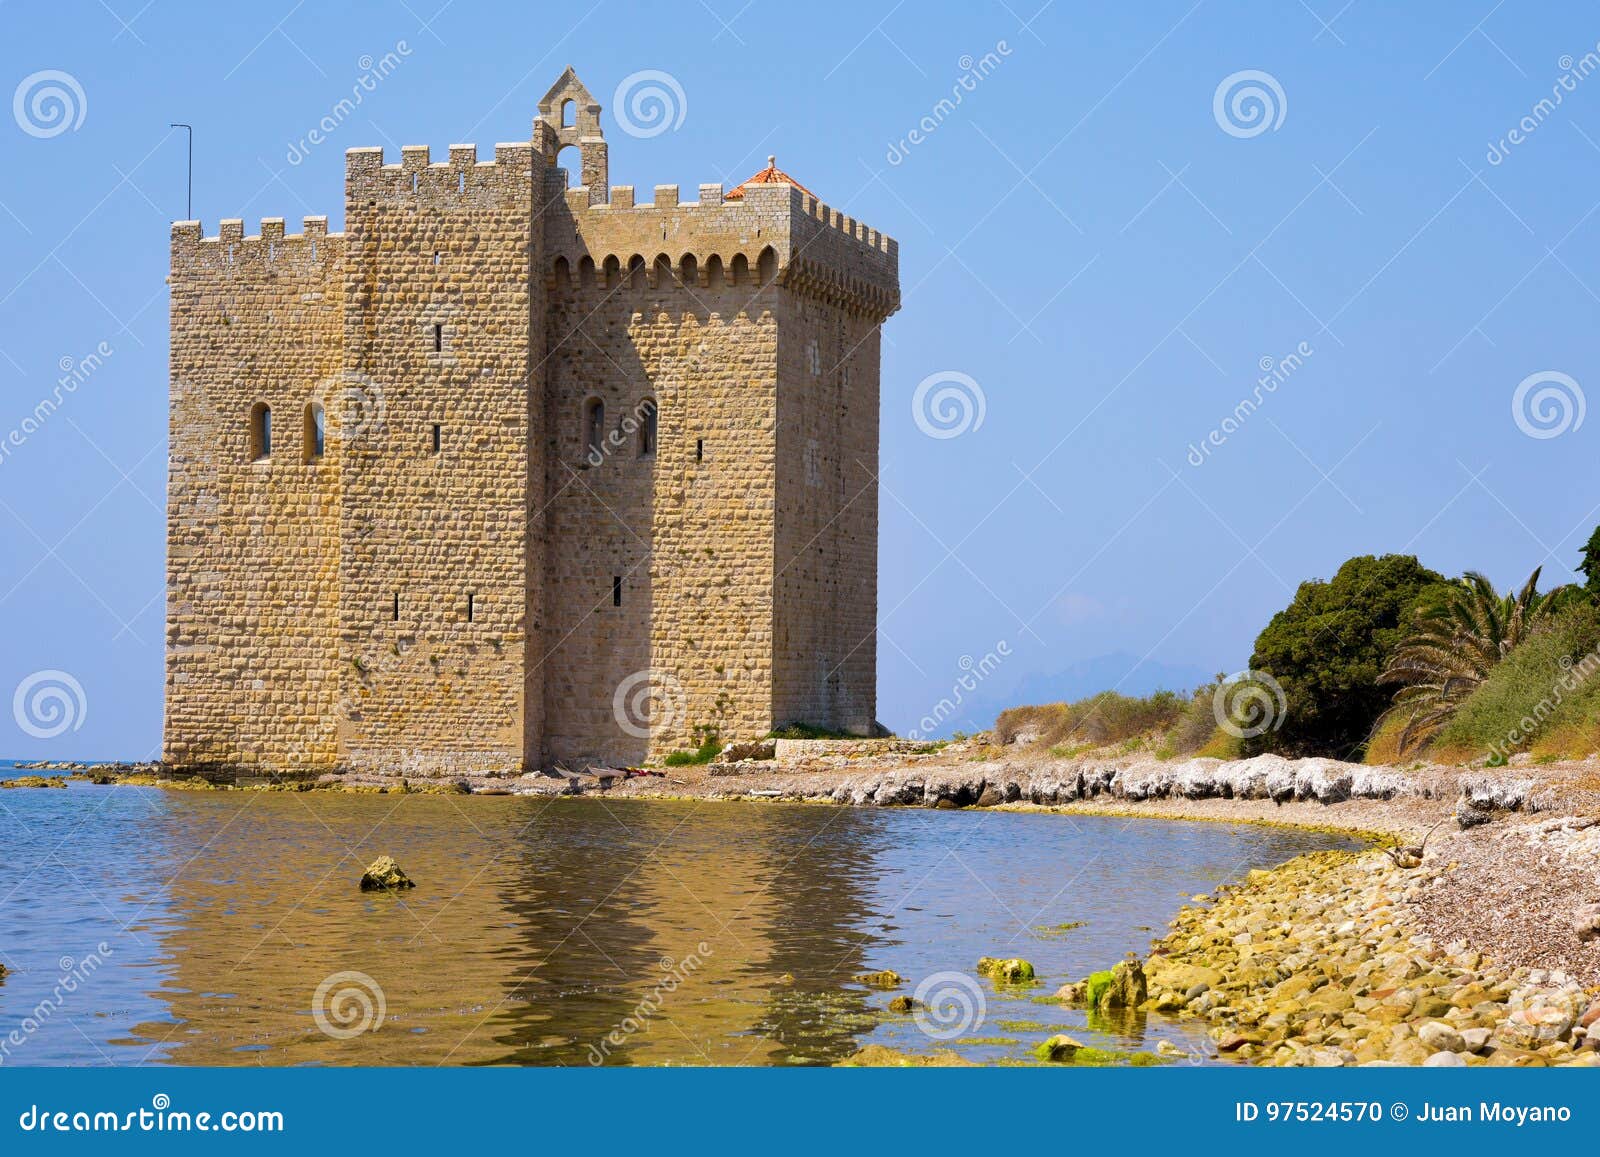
{"x":624,"y":197}
{"x":461,"y":174}
{"x":313,"y":254}
{"x":230,"y":230}
{"x":817,"y":249}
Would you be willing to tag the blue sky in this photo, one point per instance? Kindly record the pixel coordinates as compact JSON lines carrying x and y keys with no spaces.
{"x":1106,"y":254}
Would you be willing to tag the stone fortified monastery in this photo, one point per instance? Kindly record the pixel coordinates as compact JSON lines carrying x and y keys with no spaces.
{"x":515,"y":472}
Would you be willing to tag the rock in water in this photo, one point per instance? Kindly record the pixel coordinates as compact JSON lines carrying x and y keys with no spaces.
{"x":1012,"y":971}
{"x":384,"y":875}
{"x":1060,"y":1047}
{"x":903,"y":1004}
{"x":1123,"y":987}
{"x":888,"y":978}
{"x":1072,"y":993}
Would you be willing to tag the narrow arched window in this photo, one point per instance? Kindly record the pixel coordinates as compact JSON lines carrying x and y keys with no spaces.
{"x":767,"y":266}
{"x":594,"y":430}
{"x":647,"y":427}
{"x":260,"y":431}
{"x":739,"y":271}
{"x":316,"y":431}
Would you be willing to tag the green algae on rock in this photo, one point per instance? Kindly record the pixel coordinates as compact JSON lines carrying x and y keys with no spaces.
{"x":34,"y":781}
{"x":1009,"y":971}
{"x":1063,"y":1049}
{"x":1120,"y":987}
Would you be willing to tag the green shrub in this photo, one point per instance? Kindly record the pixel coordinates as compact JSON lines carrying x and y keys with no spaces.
{"x":1544,"y":695}
{"x":806,"y":731}
{"x":1327,"y":649}
{"x":707,"y":751}
{"x":1195,"y":726}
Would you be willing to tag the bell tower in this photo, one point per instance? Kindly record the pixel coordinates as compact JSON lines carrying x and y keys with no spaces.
{"x":570,"y":116}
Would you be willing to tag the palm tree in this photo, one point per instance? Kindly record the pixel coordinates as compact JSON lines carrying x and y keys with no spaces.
{"x":1459,"y":636}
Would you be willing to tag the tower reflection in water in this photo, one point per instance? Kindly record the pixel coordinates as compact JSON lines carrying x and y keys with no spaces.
{"x":567,"y":932}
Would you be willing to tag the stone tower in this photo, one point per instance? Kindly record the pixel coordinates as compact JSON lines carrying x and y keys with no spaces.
{"x":515,"y":471}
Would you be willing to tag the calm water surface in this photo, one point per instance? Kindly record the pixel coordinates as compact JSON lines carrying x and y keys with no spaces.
{"x":572,"y":931}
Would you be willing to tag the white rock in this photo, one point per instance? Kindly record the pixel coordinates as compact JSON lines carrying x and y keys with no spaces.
{"x":1441,"y":1037}
{"x":1445,"y":1060}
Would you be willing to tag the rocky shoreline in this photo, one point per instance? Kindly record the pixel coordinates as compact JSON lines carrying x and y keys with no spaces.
{"x":1322,"y":962}
{"x":1480,"y":947}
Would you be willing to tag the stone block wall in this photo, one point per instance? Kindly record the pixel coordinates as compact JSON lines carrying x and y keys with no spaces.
{"x":826,"y":557}
{"x":686,"y":525}
{"x":252,"y":545}
{"x":440,"y":296}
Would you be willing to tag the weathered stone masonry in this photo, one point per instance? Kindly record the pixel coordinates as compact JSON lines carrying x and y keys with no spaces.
{"x":443,"y":483}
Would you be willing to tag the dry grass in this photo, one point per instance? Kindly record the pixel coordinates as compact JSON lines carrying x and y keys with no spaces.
{"x":1164,"y":724}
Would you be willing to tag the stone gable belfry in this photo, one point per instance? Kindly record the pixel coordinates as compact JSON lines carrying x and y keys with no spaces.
{"x":569,"y":116}
{"x":515,"y":472}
